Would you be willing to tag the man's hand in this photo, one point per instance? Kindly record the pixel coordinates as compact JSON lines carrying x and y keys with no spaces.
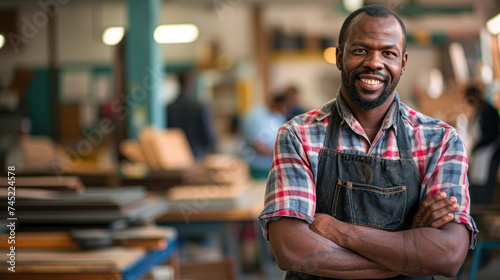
{"x":435,"y":211}
{"x":323,"y":224}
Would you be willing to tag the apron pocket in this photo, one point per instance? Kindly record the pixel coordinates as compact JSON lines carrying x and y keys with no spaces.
{"x":368,"y":205}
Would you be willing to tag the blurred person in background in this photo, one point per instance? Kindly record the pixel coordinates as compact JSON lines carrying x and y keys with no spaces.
{"x":292,"y":101}
{"x":485,"y":154}
{"x":259,"y":128}
{"x":193,"y":117}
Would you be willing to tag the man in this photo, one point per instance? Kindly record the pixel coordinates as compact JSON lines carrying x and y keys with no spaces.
{"x":292,"y":100}
{"x":365,"y":187}
{"x":193,"y":117}
{"x":485,"y":155}
{"x":259,"y":128}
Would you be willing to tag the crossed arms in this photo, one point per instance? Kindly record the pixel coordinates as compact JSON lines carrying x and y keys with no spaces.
{"x":330,"y":248}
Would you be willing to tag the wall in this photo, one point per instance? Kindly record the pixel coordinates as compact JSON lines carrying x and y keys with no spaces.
{"x":81,"y":23}
{"x":312,"y":77}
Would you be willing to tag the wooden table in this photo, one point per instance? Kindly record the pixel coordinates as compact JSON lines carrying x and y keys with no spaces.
{"x":247,"y":207}
{"x":204,"y":216}
{"x":102,"y":264}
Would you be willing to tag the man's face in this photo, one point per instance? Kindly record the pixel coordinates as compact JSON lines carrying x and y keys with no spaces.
{"x":372,"y":60}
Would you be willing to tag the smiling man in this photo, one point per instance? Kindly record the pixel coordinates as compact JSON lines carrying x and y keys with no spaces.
{"x":365,"y":187}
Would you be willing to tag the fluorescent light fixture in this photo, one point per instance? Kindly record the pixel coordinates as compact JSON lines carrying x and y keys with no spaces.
{"x":352,"y":5}
{"x":329,"y":55}
{"x":493,"y":25}
{"x":2,"y":41}
{"x":176,"y":33}
{"x":113,"y":35}
{"x":436,"y":84}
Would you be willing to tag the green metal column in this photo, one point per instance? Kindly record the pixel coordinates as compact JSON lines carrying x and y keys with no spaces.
{"x":143,"y":64}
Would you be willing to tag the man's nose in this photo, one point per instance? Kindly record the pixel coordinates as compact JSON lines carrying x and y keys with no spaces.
{"x":374,"y":61}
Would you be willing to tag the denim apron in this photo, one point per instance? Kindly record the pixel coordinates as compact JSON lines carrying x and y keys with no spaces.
{"x":364,"y":190}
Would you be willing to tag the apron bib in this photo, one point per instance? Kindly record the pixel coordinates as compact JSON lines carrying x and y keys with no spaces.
{"x":364,"y":190}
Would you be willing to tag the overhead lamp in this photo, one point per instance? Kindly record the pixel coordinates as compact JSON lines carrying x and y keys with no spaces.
{"x":352,"y":5}
{"x":113,"y":35}
{"x":436,"y":83}
{"x":459,"y":62}
{"x":2,"y":40}
{"x":493,"y":25}
{"x":329,"y":55}
{"x":176,"y":33}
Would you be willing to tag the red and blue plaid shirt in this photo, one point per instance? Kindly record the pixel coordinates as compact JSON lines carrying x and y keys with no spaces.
{"x":437,"y":150}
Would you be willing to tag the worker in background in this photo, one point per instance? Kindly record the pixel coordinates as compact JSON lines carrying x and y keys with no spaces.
{"x":259,"y":128}
{"x":365,"y":187}
{"x":292,"y":100}
{"x":485,"y":155}
{"x":193,"y":117}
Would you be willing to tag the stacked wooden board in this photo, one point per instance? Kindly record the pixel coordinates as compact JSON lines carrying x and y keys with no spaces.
{"x":64,"y":230}
{"x":222,"y":184}
{"x":63,"y":202}
{"x":159,"y":149}
{"x":147,"y":237}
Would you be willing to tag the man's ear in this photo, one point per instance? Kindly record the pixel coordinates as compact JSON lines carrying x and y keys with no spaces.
{"x":338,"y":57}
{"x":403,"y":68}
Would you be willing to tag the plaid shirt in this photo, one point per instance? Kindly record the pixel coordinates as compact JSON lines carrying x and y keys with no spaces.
{"x":437,"y":150}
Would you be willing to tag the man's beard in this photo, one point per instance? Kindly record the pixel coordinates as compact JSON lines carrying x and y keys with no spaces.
{"x":356,"y":97}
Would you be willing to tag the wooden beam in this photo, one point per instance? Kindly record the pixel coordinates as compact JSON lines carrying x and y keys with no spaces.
{"x":261,"y":40}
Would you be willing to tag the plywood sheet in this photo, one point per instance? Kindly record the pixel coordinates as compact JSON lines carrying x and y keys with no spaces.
{"x":58,"y":183}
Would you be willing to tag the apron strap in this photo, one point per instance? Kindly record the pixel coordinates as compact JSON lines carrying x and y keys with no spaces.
{"x":402,"y":138}
{"x":333,"y":133}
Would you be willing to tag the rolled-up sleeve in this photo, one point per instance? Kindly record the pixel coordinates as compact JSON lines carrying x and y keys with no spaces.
{"x":290,"y":190}
{"x":448,"y":173}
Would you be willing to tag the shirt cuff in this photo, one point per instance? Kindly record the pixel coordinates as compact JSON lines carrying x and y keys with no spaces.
{"x":464,"y":218}
{"x":265,"y":219}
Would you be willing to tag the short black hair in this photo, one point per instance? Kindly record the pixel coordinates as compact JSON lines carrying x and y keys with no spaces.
{"x":279,"y":98}
{"x":374,"y":11}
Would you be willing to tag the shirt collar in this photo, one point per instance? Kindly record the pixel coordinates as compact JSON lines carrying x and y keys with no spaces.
{"x":390,"y":119}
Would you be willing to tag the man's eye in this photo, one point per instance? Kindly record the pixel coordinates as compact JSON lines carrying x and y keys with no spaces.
{"x":389,"y":53}
{"x":359,"y":51}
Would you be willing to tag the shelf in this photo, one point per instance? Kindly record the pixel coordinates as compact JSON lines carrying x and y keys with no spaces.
{"x":297,"y":56}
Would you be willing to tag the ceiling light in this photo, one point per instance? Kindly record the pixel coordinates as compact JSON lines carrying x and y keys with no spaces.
{"x":176,"y":33}
{"x":436,"y":84}
{"x":352,"y":5}
{"x":459,"y":62}
{"x":2,"y":41}
{"x":113,"y":35}
{"x":330,"y":56}
{"x":493,"y":25}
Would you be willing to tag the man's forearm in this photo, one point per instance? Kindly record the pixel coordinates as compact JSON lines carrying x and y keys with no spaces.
{"x":416,"y":252}
{"x":297,"y":248}
{"x":341,"y":263}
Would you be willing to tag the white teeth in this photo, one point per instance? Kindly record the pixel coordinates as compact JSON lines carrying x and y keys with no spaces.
{"x":371,"y":82}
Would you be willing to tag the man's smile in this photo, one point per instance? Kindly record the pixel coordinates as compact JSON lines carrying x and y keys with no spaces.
{"x":371,"y":81}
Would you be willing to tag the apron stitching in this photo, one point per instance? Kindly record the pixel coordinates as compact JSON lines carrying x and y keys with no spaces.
{"x":341,"y":152}
{"x":380,"y":192}
{"x":368,"y":185}
{"x":404,"y":210}
{"x":336,"y":196}
{"x":349,"y":191}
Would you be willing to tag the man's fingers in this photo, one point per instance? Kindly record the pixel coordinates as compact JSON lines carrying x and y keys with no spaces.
{"x":442,"y":216}
{"x":438,"y":203}
{"x":430,"y":201}
{"x":442,"y":204}
{"x":442,"y":221}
